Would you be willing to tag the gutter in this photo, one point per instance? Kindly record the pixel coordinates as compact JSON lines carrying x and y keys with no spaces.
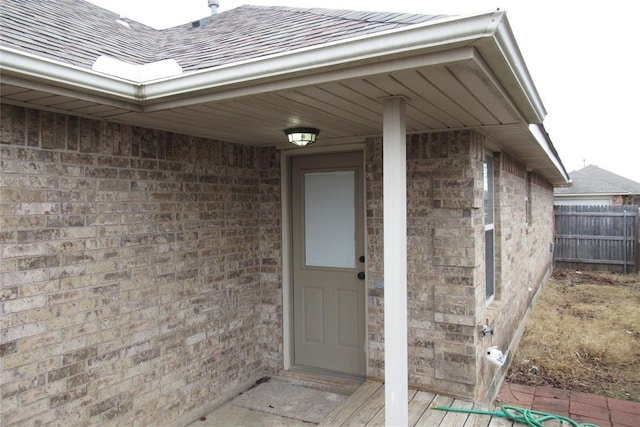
{"x":542,"y":138}
{"x":442,"y":41}
{"x":36,"y":68}
{"x":399,"y":43}
{"x":504,"y":42}
{"x":487,"y":32}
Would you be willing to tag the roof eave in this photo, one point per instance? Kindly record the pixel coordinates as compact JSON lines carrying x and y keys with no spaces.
{"x":544,"y":142}
{"x":38,"y":69}
{"x":501,"y":50}
{"x":429,"y":37}
{"x":489,"y":33}
{"x":408,"y":41}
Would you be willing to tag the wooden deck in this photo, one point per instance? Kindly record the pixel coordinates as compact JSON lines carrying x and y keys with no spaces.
{"x":365,"y":407}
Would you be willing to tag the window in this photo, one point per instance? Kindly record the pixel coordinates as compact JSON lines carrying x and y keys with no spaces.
{"x":529,"y":218}
{"x":489,"y":226}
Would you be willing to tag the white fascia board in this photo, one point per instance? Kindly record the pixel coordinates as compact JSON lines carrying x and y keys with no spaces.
{"x":541,"y":137}
{"x":70,"y":93}
{"x":399,"y":43}
{"x":489,"y":32}
{"x":231,"y":91}
{"x":511,"y":62}
{"x":37,"y":68}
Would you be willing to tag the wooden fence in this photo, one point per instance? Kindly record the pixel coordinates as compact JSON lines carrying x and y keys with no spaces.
{"x":597,"y":237}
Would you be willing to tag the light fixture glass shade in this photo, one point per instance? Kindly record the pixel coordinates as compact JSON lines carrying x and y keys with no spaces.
{"x":302,"y":136}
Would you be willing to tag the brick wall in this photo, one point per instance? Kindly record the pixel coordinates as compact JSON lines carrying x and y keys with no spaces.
{"x":139,"y":271}
{"x":446,"y":282}
{"x":524,"y":261}
{"x":442,"y":222}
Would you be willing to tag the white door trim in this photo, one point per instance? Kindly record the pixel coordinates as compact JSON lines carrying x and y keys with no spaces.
{"x":287,"y":285}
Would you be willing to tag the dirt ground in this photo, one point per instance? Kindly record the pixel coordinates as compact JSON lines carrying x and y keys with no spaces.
{"x":583,"y":334}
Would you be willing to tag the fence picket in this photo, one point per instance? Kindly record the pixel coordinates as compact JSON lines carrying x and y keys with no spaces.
{"x":599,"y":235}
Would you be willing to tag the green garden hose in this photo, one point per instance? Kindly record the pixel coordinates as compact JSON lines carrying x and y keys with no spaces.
{"x":521,"y":415}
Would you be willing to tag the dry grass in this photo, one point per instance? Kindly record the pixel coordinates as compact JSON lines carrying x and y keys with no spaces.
{"x":584,"y":334}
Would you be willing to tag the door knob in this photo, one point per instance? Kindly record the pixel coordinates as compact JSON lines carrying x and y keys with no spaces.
{"x":361,"y":275}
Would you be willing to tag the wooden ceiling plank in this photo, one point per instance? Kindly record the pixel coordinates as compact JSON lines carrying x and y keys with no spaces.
{"x":8,"y":90}
{"x":435,"y":95}
{"x":342,"y":103}
{"x":365,"y":87}
{"x":98,"y":110}
{"x":317,"y":116}
{"x":166,"y":120}
{"x":444,"y":80}
{"x":351,"y":120}
{"x":73,"y":105}
{"x":29,"y":96}
{"x":54,"y":101}
{"x":443,"y":108}
{"x":347,"y":91}
{"x":316,"y":104}
{"x":224,"y":117}
{"x":484,"y":89}
{"x":418,"y":116}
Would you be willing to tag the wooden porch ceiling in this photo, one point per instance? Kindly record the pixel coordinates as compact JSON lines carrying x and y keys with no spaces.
{"x":445,"y":91}
{"x":458,"y":95}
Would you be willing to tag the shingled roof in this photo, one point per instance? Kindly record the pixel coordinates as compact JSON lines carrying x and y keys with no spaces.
{"x":280,"y":67}
{"x":243,"y":33}
{"x":76,"y":35}
{"x":595,"y":180}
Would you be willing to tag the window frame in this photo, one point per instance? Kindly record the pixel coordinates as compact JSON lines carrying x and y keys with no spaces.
{"x":489,"y":197}
{"x":528,"y":198}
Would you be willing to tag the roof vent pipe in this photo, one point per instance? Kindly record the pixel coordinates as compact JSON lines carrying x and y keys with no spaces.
{"x":214,"y":5}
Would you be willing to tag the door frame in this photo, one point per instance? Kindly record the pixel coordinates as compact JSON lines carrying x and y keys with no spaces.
{"x":287,"y":265}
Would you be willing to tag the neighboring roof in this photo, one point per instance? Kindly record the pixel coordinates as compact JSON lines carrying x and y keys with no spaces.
{"x":246,"y":74}
{"x":240,"y":34}
{"x":592,"y":180}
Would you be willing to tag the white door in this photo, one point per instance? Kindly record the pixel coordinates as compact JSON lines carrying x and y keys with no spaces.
{"x":328,"y":263}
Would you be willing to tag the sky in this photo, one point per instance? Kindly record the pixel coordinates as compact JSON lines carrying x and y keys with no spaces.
{"x":584,"y":58}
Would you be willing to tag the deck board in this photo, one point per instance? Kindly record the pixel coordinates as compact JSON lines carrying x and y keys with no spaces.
{"x":500,"y":422}
{"x":433,"y":417}
{"x":368,"y":410}
{"x":365,"y":407}
{"x":478,"y":420}
{"x":454,"y":419}
{"x":341,"y":414}
{"x":418,"y":405}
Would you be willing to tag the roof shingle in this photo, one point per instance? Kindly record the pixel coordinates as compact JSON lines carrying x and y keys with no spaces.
{"x":81,"y":32}
{"x":595,"y":180}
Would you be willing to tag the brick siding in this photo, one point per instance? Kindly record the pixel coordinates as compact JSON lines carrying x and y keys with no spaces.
{"x":524,"y":260}
{"x":446,"y":282}
{"x":140,"y":270}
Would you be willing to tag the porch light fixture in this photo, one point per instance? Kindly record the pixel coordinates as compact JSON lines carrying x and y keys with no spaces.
{"x":302,"y":136}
